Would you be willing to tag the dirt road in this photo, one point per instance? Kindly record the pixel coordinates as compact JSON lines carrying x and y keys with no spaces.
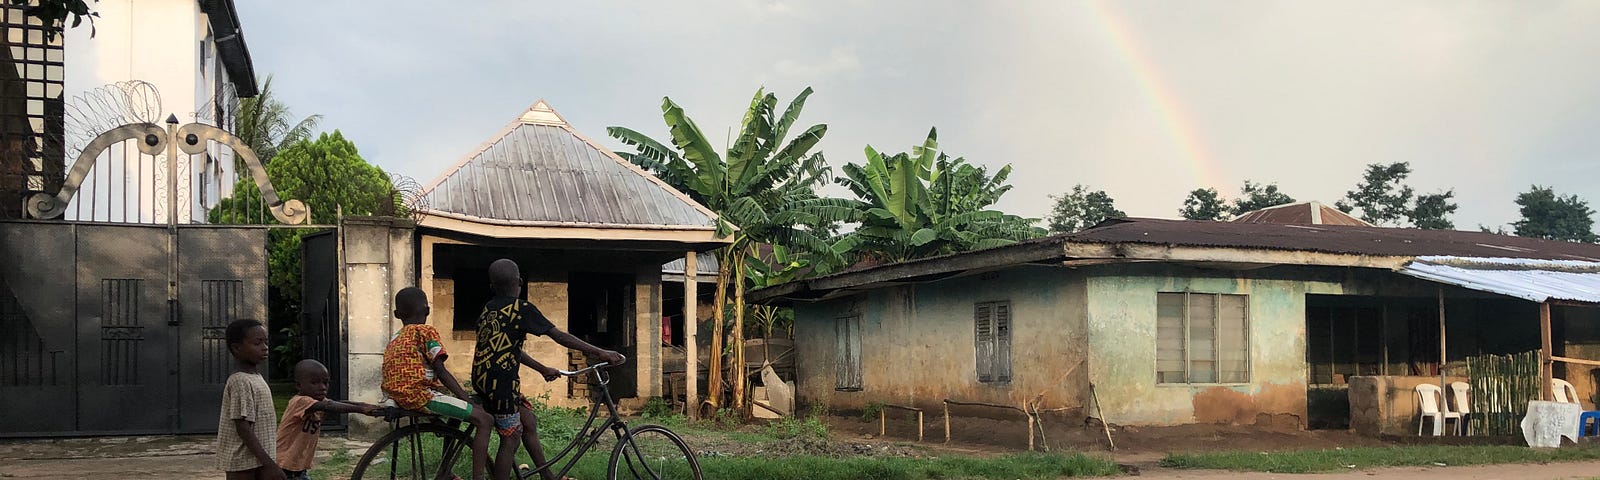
{"x":1551,"y":471}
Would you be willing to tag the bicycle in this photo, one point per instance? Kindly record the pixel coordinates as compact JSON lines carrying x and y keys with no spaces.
{"x":439,"y":448}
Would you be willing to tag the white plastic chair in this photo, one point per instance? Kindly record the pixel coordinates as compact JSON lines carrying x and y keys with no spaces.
{"x":1460,"y":395}
{"x":1563,"y":391}
{"x":1430,"y":400}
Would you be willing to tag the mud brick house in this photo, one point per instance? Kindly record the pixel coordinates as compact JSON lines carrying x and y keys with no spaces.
{"x":1178,"y":322}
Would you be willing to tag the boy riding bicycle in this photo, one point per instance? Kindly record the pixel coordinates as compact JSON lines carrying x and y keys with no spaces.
{"x":505,"y":323}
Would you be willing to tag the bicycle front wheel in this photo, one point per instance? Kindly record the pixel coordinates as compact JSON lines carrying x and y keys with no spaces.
{"x":651,"y":452}
{"x":425,"y":451}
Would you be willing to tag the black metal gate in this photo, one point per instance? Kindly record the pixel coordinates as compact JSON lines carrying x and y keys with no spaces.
{"x":116,"y":325}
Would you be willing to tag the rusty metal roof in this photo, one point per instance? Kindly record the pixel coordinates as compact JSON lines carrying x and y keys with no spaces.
{"x":1304,"y":213}
{"x":705,"y":263}
{"x":1395,"y":242}
{"x":540,"y":171}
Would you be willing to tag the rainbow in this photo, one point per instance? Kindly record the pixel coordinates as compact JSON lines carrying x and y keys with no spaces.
{"x":1200,"y":162}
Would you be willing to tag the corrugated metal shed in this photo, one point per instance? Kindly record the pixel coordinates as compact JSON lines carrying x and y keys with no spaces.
{"x":1532,"y":280}
{"x":704,"y":264}
{"x":539,"y":171}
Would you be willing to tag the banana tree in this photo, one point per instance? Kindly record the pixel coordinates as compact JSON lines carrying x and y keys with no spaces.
{"x":762,"y":188}
{"x":924,"y":203}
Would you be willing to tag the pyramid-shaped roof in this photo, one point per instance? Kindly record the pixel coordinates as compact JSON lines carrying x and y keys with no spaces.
{"x":1304,"y":213}
{"x":539,"y":171}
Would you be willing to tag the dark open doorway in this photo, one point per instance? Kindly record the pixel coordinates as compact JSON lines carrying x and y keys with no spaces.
{"x":601,"y":311}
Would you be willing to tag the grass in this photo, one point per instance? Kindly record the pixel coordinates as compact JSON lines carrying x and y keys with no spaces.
{"x":1029,"y":466}
{"x":280,"y":395}
{"x":338,"y":465}
{"x":1313,"y":461}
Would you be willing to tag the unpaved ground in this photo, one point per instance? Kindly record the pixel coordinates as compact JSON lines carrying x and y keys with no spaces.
{"x":182,"y":457}
{"x":1551,"y":471}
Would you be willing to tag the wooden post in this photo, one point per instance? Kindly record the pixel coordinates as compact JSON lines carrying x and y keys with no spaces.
{"x":691,"y":325}
{"x":919,"y":426}
{"x":1385,"y":338}
{"x":1442,"y":350}
{"x":883,"y":424}
{"x":946,"y":422}
{"x":1546,"y":362}
{"x":1030,"y":433}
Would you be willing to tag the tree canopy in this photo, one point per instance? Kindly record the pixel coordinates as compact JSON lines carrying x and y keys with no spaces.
{"x":1255,"y":196}
{"x":1204,"y":204}
{"x":1081,"y":208}
{"x":1548,"y":215}
{"x":1384,"y":199}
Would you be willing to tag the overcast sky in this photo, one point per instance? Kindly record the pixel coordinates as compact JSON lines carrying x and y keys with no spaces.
{"x":1146,"y":100}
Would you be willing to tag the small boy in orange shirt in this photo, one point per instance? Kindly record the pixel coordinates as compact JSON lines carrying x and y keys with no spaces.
{"x":302,"y":418}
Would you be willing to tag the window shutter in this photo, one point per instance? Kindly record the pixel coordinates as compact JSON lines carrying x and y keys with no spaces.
{"x":1233,"y":340}
{"x":841,"y":353}
{"x":855,"y":353}
{"x":983,"y":336}
{"x":1169,"y":338}
{"x":1001,"y":364}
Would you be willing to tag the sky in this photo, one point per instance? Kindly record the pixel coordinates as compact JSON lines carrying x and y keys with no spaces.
{"x":1146,"y":100}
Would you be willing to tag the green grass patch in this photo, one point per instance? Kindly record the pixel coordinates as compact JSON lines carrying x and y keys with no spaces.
{"x":281,"y":392}
{"x":337,"y":465}
{"x":1313,"y":461}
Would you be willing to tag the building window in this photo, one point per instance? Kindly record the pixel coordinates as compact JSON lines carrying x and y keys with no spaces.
{"x":32,"y":76}
{"x":992,"y":332}
{"x":847,"y":353}
{"x":1202,"y":338}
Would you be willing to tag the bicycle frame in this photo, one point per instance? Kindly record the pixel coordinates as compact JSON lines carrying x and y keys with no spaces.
{"x":585,"y":436}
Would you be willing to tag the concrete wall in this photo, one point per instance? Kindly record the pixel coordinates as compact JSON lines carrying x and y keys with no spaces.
{"x":1122,"y":332}
{"x":918,"y":347}
{"x":376,"y":257}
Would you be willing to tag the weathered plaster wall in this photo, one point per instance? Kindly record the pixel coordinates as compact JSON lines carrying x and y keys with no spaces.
{"x":918,"y":347}
{"x":1122,"y":332}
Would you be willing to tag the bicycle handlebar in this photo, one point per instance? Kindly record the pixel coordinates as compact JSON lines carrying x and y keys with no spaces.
{"x":597,"y":366}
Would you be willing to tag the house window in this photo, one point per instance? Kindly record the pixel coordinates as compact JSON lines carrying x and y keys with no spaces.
{"x":847,"y":353}
{"x":1202,"y":338}
{"x":992,"y":332}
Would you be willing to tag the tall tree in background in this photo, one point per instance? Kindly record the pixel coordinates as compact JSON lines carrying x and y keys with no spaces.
{"x":1432,"y":211}
{"x":1204,"y":204}
{"x":1381,"y":195}
{"x":1385,"y":199}
{"x":1081,"y":208}
{"x":267,"y":125}
{"x":762,"y":184}
{"x":329,"y":175}
{"x":1255,"y":196}
{"x":1548,"y":215}
{"x":924,"y":203}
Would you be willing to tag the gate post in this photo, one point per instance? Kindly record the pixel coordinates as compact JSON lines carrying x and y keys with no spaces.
{"x":376,"y":260}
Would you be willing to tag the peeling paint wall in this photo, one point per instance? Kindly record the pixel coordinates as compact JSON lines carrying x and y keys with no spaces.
{"x":917,"y":342}
{"x":1122,"y":332}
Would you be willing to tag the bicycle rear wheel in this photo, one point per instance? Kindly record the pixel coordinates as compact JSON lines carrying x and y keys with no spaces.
{"x":425,"y":451}
{"x":651,"y":452}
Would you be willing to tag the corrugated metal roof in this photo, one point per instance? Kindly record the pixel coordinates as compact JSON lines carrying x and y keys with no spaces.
{"x":1305,"y":213}
{"x":1532,"y":280}
{"x":1392,"y":242}
{"x":539,"y":171}
{"x":704,"y":264}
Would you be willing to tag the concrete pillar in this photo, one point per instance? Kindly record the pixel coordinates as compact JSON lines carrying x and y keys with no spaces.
{"x":691,"y":324}
{"x":376,"y":260}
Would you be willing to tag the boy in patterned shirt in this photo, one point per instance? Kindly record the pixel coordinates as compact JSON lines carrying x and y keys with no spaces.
{"x":245,"y":425}
{"x":505,"y":323}
{"x":413,"y":366}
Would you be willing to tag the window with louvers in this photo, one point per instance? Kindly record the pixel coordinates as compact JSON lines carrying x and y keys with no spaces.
{"x":1202,"y":338}
{"x":992,"y":333}
{"x":847,"y":353}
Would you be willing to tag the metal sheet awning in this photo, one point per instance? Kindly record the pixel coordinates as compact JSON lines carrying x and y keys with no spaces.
{"x":1532,"y":280}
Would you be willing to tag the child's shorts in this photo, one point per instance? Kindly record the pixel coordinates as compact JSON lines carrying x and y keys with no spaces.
{"x":296,"y":475}
{"x":510,"y":425}
{"x":448,"y":406}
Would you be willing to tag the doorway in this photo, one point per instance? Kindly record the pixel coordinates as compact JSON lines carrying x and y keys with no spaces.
{"x":601,"y":311}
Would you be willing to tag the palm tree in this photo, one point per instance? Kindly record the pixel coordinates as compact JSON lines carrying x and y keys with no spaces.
{"x":267,"y":125}
{"x":762,"y":188}
{"x":924,"y":203}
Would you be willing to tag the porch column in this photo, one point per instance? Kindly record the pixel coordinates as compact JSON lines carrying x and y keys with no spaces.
{"x":1442,"y":349}
{"x":691,"y":324}
{"x":1546,"y":364}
